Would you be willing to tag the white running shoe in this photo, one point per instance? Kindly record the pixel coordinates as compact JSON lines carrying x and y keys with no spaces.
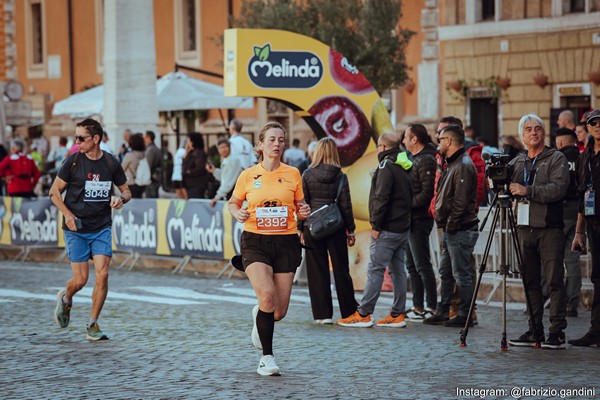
{"x":267,"y":366}
{"x":255,"y":338}
{"x":326,"y":321}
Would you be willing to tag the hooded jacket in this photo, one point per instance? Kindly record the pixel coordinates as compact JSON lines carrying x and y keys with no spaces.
{"x":320,"y":185}
{"x":548,"y":181}
{"x":422,"y":177}
{"x":390,"y":198}
{"x":456,"y":202}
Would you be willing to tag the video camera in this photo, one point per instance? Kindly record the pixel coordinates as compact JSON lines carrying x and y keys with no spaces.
{"x":497,"y":169}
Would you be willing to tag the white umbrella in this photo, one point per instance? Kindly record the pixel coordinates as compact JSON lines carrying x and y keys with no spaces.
{"x":82,"y":104}
{"x":175,"y":91}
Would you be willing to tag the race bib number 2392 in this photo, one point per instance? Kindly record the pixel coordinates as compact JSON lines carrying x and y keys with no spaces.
{"x":273,"y":219}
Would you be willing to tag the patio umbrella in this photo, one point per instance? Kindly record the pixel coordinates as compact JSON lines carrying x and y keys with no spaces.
{"x":176,"y":91}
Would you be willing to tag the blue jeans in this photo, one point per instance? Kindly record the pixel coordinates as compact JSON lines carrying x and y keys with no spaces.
{"x":418,"y":264}
{"x":386,"y":251}
{"x":455,"y":268}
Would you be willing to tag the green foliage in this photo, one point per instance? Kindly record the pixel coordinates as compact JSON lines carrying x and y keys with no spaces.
{"x":366,"y":32}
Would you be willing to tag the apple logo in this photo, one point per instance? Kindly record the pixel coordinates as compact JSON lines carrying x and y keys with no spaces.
{"x":343,"y":121}
{"x":347,"y":75}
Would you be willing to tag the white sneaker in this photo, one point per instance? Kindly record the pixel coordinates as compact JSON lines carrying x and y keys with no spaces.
{"x":267,"y":366}
{"x":255,"y":338}
{"x":326,"y":321}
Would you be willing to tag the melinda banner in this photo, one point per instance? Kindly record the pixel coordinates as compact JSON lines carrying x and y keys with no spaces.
{"x":148,"y":226}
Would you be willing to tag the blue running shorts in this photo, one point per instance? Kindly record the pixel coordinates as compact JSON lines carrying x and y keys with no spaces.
{"x":82,"y":247}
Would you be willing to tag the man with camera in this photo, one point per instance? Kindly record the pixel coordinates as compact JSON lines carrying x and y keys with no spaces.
{"x":589,"y":219}
{"x":540,"y":181}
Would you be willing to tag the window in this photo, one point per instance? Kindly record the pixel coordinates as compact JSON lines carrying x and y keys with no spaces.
{"x":577,"y":6}
{"x":187,"y":35}
{"x":488,"y":10}
{"x":35,"y":39}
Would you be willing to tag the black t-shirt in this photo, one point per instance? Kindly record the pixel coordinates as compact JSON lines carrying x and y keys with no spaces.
{"x":89,"y":189}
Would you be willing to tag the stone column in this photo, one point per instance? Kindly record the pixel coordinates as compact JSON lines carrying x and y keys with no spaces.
{"x":129,"y":69}
{"x":429,"y":86}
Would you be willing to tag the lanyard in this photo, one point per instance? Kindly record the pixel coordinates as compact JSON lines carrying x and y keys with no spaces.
{"x":525,"y":173}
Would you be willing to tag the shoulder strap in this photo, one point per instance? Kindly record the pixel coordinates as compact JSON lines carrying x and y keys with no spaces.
{"x":74,"y":163}
{"x":339,"y":191}
{"x":111,"y":164}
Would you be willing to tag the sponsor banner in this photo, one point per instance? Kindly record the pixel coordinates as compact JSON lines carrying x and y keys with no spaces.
{"x":4,"y":217}
{"x":147,"y":226}
{"x":32,"y":222}
{"x":135,"y":226}
{"x":193,"y":227}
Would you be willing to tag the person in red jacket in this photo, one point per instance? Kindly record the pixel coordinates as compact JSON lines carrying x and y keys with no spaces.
{"x":20,"y":171}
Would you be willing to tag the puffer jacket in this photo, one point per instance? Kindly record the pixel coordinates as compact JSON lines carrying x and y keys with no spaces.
{"x":422,"y":177}
{"x":320,"y":185}
{"x":548,"y":184}
{"x":390,"y":198}
{"x":456,"y":202}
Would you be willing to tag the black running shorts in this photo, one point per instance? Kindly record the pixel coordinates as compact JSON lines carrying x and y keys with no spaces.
{"x":281,"y":252}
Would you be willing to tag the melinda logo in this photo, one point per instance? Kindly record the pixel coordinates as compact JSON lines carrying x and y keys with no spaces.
{"x":284,"y":69}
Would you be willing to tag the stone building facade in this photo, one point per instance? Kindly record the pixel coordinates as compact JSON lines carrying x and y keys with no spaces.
{"x":502,"y":59}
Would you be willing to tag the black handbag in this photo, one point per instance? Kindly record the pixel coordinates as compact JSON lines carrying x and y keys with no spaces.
{"x":328,"y":219}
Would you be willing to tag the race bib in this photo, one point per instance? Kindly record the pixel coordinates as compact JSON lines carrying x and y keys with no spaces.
{"x":272,"y":219}
{"x":97,"y":190}
{"x":523,"y":214}
{"x":589,"y":204}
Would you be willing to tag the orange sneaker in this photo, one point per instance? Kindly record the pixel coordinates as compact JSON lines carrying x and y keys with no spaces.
{"x":453,"y":311}
{"x":392,"y":322}
{"x":356,"y":321}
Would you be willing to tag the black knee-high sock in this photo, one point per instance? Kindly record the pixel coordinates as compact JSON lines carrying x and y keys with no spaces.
{"x":265,"y":323}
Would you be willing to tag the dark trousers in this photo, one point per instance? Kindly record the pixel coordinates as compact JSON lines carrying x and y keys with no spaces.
{"x":317,"y":273}
{"x":152,"y":190}
{"x":136,"y":191}
{"x":418,"y":264}
{"x":594,"y":247}
{"x":543,"y":250}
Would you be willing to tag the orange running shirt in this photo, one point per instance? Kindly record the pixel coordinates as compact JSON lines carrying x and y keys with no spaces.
{"x":270,"y":197}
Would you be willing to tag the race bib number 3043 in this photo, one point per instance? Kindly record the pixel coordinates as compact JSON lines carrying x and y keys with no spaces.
{"x":97,"y":190}
{"x":273,"y":219}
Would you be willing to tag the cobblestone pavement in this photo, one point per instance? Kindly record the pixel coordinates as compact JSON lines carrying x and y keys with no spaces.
{"x":185,"y":337}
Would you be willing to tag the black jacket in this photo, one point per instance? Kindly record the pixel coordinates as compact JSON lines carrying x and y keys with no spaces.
{"x":456,"y":202}
{"x":422,"y":177}
{"x":572,"y":154}
{"x":588,"y":167}
{"x":194,"y":169}
{"x":390,"y":197}
{"x":320,"y":185}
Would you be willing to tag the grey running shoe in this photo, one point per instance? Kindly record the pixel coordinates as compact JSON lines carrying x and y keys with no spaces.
{"x":94,"y":333}
{"x":255,"y":337}
{"x":267,"y":366}
{"x":62,"y":312}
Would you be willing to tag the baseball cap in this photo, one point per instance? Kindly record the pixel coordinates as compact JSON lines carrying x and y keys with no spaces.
{"x":592,"y":115}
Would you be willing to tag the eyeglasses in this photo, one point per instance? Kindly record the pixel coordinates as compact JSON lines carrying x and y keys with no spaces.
{"x":593,"y":122}
{"x":81,"y":138}
{"x":444,"y":137}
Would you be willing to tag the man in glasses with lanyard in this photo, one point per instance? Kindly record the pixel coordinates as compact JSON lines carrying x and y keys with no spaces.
{"x":88,"y":177}
{"x":540,"y":181}
{"x":589,"y":220}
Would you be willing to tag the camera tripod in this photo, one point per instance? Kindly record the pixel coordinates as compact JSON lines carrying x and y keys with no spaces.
{"x":508,"y":235}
